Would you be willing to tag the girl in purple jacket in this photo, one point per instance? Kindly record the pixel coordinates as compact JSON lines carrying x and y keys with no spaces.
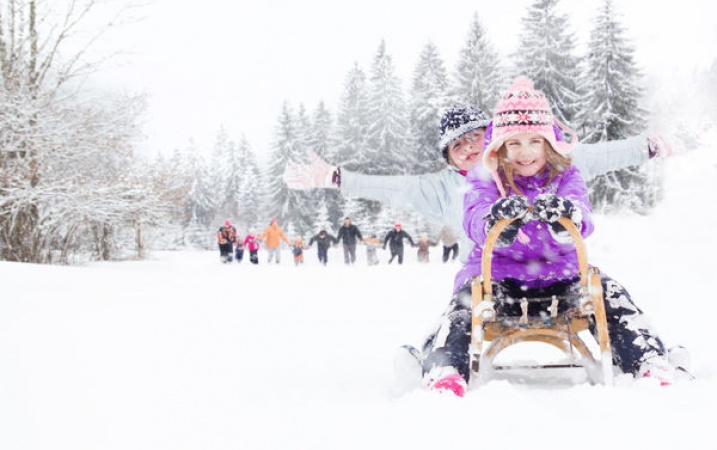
{"x":526,"y":162}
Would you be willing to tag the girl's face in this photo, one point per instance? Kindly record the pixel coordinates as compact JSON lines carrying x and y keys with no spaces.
{"x":465,"y":152}
{"x":526,"y":153}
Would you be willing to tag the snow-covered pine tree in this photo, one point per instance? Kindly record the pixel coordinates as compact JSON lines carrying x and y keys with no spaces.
{"x":301,"y":206}
{"x":285,"y":141}
{"x":250,"y":188}
{"x":611,"y":111}
{"x":427,"y":102}
{"x":201,"y":202}
{"x":546,"y":54}
{"x":227,"y":176}
{"x":388,"y":119}
{"x":352,"y":122}
{"x":478,"y":77}
{"x":610,"y":83}
{"x":322,"y":140}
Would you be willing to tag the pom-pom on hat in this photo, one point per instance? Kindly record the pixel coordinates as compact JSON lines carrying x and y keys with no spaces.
{"x":458,"y":121}
{"x":522,"y":109}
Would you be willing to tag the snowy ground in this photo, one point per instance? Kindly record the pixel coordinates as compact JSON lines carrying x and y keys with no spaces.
{"x":181,"y":352}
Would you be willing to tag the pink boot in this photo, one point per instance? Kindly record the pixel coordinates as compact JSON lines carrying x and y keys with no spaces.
{"x":450,"y":383}
{"x":659,"y":369}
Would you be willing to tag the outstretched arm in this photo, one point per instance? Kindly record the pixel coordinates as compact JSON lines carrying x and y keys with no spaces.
{"x":600,"y":158}
{"x":316,"y":174}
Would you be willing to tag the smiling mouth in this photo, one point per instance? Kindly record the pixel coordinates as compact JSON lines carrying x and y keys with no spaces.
{"x":526,"y":163}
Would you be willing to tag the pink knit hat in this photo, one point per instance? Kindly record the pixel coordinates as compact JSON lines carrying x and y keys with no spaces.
{"x":522,"y":109}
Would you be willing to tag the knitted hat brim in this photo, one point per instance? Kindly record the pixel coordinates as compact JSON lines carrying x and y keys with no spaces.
{"x":459,"y":132}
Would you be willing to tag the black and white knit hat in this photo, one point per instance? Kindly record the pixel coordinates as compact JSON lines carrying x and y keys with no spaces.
{"x":458,"y":121}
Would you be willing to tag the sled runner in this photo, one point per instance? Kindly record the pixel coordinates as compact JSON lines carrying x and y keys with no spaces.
{"x":557,"y":321}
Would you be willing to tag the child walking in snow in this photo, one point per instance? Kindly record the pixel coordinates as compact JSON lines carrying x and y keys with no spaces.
{"x":423,"y":245}
{"x":526,"y":163}
{"x":297,"y":248}
{"x":323,"y":241}
{"x":251,"y":243}
{"x":372,"y":244}
{"x":239,"y":249}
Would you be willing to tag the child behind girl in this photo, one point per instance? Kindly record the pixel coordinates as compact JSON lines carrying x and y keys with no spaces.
{"x":526,"y":163}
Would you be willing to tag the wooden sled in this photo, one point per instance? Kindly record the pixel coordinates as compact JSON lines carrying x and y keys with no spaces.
{"x":492,"y":334}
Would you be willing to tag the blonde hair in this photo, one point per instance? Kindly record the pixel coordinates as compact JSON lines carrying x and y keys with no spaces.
{"x":555,"y":162}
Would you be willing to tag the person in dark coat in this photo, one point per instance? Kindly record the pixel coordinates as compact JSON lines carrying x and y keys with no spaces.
{"x":323,"y":241}
{"x":349,"y":234}
{"x":394,"y":239}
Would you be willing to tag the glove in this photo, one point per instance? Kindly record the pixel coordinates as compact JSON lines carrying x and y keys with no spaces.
{"x":549,"y":208}
{"x":658,"y":146}
{"x":510,"y":208}
{"x":515,"y":206}
{"x":317,"y":174}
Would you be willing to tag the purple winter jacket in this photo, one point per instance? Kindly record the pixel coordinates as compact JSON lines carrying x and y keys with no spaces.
{"x":543,"y":260}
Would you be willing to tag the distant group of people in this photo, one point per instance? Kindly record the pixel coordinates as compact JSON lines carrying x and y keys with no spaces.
{"x":232,"y":246}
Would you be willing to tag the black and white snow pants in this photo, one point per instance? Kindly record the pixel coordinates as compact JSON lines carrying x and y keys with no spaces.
{"x":631,"y":336}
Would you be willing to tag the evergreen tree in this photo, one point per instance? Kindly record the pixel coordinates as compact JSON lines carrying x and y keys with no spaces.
{"x":388,"y":118}
{"x":546,"y":55}
{"x":277,"y":193}
{"x":611,"y":112}
{"x":352,"y":122}
{"x":249,"y":194}
{"x":478,"y":76}
{"x":302,"y":205}
{"x":321,"y":141}
{"x":228,"y":176}
{"x":427,"y":103}
{"x":611,"y":83}
{"x":201,"y":205}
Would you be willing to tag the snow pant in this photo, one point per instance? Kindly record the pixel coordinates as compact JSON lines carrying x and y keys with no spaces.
{"x":447,"y":252}
{"x":633,"y":340}
{"x":396,"y":252}
{"x":239,"y":254}
{"x":323,"y":255}
{"x":371,"y":256}
{"x":254,"y":256}
{"x":225,"y":251}
{"x":273,"y":253}
{"x":299,"y":258}
{"x":423,"y":256}
{"x":350,"y":253}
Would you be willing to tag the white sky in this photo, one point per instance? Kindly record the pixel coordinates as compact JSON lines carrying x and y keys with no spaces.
{"x":233,"y":64}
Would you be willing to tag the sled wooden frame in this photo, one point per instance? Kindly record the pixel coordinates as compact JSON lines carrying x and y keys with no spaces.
{"x":490,"y":336}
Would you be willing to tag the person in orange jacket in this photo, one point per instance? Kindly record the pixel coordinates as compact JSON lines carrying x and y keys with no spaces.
{"x":273,"y":235}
